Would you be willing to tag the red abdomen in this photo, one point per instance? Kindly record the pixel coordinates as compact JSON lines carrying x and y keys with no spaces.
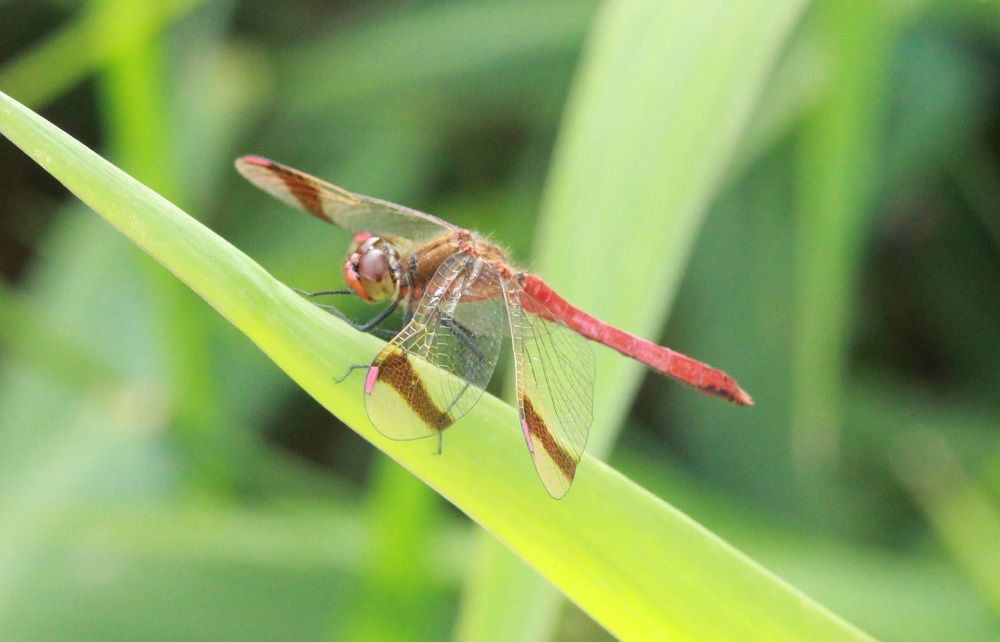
{"x":660,"y":358}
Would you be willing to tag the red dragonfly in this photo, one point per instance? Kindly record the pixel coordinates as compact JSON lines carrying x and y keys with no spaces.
{"x":460,"y":298}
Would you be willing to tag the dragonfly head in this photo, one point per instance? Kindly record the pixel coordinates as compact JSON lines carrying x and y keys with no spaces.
{"x":373,"y":269}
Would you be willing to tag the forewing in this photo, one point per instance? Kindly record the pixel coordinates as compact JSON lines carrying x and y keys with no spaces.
{"x":435,"y":370}
{"x":554,"y":368}
{"x":338,"y":206}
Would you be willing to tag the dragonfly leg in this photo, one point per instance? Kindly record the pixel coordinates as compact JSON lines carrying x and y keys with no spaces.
{"x":308,"y":294}
{"x":351,"y":369}
{"x":367,"y":326}
{"x":378,"y":318}
{"x":457,"y":397}
{"x":363,"y":327}
{"x":465,"y":336}
{"x":332,"y":309}
{"x":440,"y":442}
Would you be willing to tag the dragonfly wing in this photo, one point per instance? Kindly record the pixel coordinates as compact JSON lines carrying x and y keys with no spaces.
{"x":338,"y":206}
{"x":554,"y":368}
{"x":435,"y":370}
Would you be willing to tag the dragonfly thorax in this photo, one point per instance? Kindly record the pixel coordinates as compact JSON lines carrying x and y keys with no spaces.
{"x":373,"y":269}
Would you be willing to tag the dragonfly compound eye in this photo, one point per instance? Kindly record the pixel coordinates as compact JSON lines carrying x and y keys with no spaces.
{"x":370,"y":270}
{"x":373,"y":266}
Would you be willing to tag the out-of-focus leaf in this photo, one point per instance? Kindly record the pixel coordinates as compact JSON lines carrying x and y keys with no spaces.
{"x":836,"y":170}
{"x":849,"y":576}
{"x":964,"y":516}
{"x":937,"y":108}
{"x":427,"y":46}
{"x":66,"y":57}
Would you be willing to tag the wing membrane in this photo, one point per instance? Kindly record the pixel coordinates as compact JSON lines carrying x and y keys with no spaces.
{"x":554,"y":368}
{"x":435,"y":370}
{"x":338,"y":206}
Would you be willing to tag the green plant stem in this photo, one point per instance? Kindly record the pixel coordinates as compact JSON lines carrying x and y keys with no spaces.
{"x":836,"y":169}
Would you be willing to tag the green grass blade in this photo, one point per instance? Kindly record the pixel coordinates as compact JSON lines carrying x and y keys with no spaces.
{"x":648,"y":571}
{"x":27,"y":333}
{"x":963,"y":515}
{"x":135,"y":99}
{"x":431,"y":45}
{"x":663,"y":95}
{"x":68,"y":56}
{"x":836,"y":166}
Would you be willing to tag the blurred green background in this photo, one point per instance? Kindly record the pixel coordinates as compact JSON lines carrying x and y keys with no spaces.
{"x":161,"y":479}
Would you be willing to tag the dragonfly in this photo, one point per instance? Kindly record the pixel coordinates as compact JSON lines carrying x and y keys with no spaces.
{"x":461,"y":298}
